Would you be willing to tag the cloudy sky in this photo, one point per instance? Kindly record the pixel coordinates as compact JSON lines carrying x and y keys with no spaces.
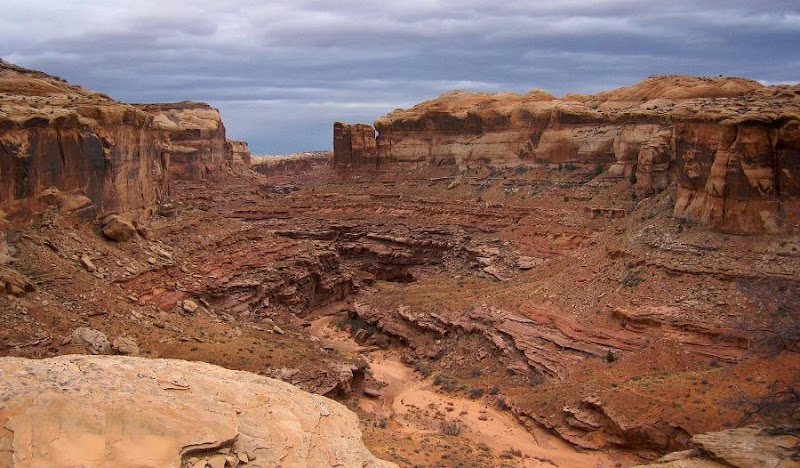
{"x":282,"y":71}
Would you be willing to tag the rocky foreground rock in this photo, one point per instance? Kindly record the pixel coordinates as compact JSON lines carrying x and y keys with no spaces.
{"x":121,"y":411}
{"x":756,"y":446}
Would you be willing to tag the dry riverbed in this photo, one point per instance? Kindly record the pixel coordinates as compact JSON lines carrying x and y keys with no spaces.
{"x":412,"y":405}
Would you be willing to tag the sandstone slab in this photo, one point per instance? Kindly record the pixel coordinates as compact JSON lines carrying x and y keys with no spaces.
{"x":124,"y":411}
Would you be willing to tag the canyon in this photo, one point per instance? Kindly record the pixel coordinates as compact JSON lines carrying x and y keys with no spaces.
{"x":492,"y":280}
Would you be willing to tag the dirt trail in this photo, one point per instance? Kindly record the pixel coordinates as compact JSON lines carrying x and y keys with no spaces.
{"x":414,"y":404}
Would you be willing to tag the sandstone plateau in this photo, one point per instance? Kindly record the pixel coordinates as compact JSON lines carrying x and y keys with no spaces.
{"x":493,"y":281}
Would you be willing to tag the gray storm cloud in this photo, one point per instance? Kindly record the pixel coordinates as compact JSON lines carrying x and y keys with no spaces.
{"x":282,"y":71}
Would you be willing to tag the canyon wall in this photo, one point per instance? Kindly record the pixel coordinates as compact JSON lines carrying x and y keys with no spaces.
{"x":312,"y":162}
{"x":67,"y":145}
{"x":240,"y":153}
{"x":354,"y":147}
{"x":54,"y":135}
{"x":199,"y":149}
{"x":730,"y":146}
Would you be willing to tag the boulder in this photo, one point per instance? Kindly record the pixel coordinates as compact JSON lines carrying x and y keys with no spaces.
{"x":87,"y":263}
{"x":189,"y":306}
{"x":125,"y":346}
{"x":95,"y":340}
{"x":14,"y":283}
{"x":118,"y":228}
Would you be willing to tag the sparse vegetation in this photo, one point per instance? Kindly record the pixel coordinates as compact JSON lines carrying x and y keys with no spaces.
{"x":452,"y":428}
{"x":632,"y":278}
{"x":423,"y":368}
{"x":502,"y":403}
{"x":511,"y":453}
{"x":446,"y":383}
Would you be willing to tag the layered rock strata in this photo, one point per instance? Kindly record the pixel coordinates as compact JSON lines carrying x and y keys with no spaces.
{"x":354,"y":147}
{"x":730,"y":145}
{"x":123,"y":411}
{"x":65,"y":140}
{"x":199,"y":149}
{"x":308,"y":163}
{"x":240,"y":153}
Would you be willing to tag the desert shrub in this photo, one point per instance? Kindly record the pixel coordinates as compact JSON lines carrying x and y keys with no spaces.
{"x":535,"y":379}
{"x":502,"y":403}
{"x":511,"y":453}
{"x":632,"y":278}
{"x":452,"y":428}
{"x":423,"y":368}
{"x":476,"y":393}
{"x":446,"y":383}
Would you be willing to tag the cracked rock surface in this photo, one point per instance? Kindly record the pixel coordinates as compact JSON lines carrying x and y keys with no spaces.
{"x":123,"y":411}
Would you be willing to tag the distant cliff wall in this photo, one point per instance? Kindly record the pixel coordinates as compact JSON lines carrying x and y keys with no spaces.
{"x":199,"y":149}
{"x":240,"y":151}
{"x":354,"y":147}
{"x":730,"y":145}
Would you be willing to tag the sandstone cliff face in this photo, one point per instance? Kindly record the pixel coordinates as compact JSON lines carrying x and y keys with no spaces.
{"x":199,"y":149}
{"x":731,"y":145}
{"x":240,"y":153}
{"x":57,"y":135}
{"x":355,"y":146}
{"x":112,"y":411}
{"x":308,"y":163}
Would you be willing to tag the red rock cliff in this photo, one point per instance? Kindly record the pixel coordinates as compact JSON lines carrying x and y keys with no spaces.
{"x":240,"y":151}
{"x":355,"y":147}
{"x":199,"y":149}
{"x":56,"y":135}
{"x":730,"y":145}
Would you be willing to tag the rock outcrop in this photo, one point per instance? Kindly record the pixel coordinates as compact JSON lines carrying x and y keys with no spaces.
{"x":54,"y":135}
{"x":123,"y":411}
{"x":354,"y":147}
{"x":755,"y":446}
{"x":240,"y":153}
{"x":199,"y":149}
{"x":730,"y":145}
